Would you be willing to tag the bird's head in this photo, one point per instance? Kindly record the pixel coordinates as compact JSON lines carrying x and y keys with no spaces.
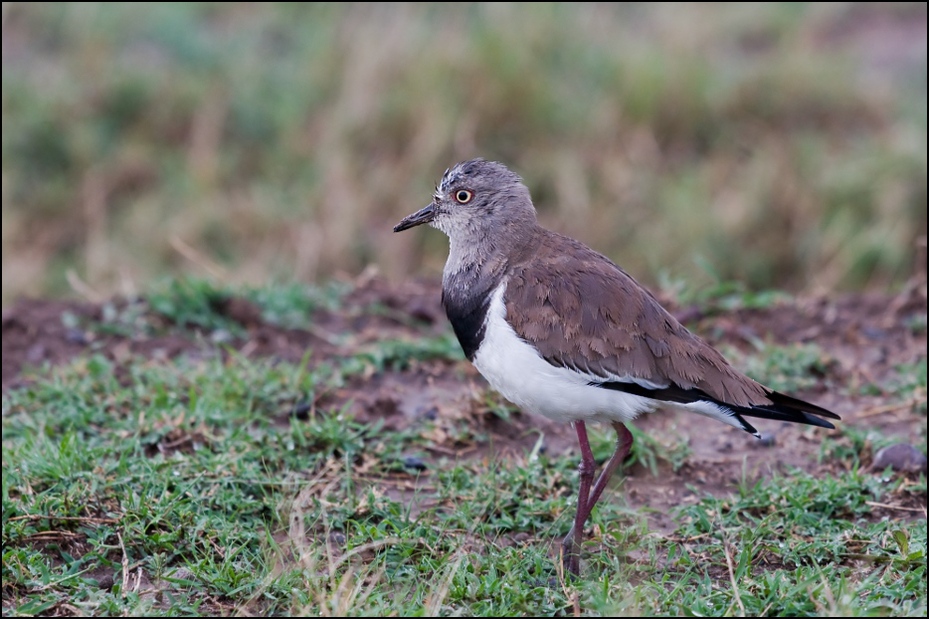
{"x":475,"y":196}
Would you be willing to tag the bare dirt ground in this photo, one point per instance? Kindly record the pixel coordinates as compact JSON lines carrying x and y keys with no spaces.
{"x":864,"y":339}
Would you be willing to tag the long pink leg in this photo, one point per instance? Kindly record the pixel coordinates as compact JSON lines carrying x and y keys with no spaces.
{"x":587,"y":498}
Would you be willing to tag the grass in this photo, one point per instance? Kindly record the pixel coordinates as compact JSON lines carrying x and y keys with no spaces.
{"x":188,"y":488}
{"x":209,"y":307}
{"x":911,"y":384}
{"x":783,"y":144}
{"x":647,"y":450}
{"x":802,"y":547}
{"x":907,"y":385}
{"x":399,"y":354}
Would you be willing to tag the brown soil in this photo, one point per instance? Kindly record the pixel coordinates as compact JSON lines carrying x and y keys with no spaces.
{"x":864,"y":337}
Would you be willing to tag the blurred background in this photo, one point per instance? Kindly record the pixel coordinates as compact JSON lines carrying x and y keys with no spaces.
{"x":780,"y":145}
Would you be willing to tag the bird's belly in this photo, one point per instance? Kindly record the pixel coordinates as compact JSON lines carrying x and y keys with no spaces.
{"x":517,"y":370}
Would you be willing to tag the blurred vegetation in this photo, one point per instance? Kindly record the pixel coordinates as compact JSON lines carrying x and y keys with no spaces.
{"x":782,"y":145}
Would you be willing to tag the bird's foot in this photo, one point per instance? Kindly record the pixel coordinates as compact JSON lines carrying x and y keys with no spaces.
{"x":571,"y":552}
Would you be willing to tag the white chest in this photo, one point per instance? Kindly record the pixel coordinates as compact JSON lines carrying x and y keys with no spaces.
{"x":517,"y":370}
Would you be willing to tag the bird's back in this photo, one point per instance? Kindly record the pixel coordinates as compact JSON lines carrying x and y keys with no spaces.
{"x":584,"y":312}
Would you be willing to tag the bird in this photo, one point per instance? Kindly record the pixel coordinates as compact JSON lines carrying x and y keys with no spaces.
{"x":561,"y":331}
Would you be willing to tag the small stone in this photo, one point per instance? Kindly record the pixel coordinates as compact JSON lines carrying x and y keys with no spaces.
{"x":337,"y":538}
{"x":900,"y":457}
{"x":301,"y":410}
{"x":221,"y":336}
{"x":431,"y":414}
{"x":874,"y":333}
{"x":76,"y":336}
{"x":414,"y":462}
{"x":241,"y":310}
{"x":106,"y":581}
{"x":767,"y":439}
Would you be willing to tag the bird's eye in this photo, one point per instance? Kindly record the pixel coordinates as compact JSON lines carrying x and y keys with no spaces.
{"x":463,"y":196}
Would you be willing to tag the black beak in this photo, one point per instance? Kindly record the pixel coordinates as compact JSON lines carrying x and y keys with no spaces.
{"x":422,"y":216}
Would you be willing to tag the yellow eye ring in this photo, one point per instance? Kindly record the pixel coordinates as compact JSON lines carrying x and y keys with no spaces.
{"x":463,"y":196}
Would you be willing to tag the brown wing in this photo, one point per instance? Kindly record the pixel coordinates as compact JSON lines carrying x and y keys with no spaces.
{"x":583,"y":312}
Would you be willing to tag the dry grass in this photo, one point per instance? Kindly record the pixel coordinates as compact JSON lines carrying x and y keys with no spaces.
{"x":781,"y":145}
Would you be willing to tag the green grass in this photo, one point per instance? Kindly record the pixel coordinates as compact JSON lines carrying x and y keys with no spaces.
{"x":798,"y":546}
{"x":204,"y":305}
{"x":718,"y":295}
{"x":787,"y":369}
{"x":911,"y":384}
{"x":647,"y":449}
{"x":783,"y":145}
{"x":178,"y":488}
{"x":399,"y":354}
{"x":908,"y":385}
